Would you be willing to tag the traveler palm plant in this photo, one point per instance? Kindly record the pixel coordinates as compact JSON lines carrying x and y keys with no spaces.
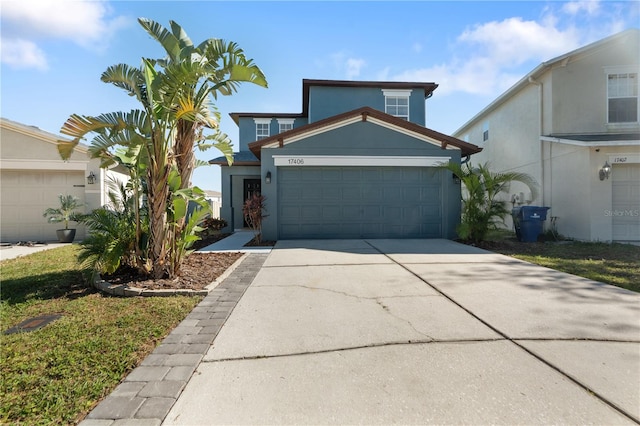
{"x":175,"y":97}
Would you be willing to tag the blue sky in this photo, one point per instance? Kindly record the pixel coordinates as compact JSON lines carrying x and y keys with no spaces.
{"x":53,"y":52}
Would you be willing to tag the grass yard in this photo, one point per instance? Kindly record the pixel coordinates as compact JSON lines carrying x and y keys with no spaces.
{"x":615,"y":264}
{"x":56,"y":374}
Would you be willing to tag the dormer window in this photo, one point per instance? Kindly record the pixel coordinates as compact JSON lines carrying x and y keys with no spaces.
{"x":396,"y":103}
{"x":285,"y":124}
{"x":262,"y":128}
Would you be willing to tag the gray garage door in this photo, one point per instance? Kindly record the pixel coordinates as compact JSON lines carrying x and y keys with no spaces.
{"x":359,"y":202}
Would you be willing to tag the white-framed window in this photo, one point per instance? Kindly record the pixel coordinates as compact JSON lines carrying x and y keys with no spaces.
{"x":485,"y":131}
{"x":396,"y":103}
{"x":285,"y":124}
{"x":262,"y":128}
{"x":622,"y":97}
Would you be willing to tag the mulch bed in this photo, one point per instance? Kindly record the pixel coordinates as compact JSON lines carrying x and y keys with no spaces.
{"x":198,"y":269}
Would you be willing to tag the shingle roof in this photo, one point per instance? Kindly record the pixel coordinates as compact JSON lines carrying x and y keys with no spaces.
{"x":242,"y":158}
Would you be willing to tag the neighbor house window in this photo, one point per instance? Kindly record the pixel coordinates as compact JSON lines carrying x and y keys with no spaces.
{"x":262,"y":128}
{"x":485,"y":131}
{"x":285,"y":124}
{"x":396,"y":103}
{"x":622,"y":94}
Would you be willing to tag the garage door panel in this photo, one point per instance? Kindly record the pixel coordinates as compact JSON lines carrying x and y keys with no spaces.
{"x":349,"y":193}
{"x":326,"y":175}
{"x":625,"y":192}
{"x":26,"y":194}
{"x":311,"y":193}
{"x":360,"y":202}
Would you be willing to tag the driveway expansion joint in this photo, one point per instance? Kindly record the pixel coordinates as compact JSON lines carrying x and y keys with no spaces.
{"x":355,"y":348}
{"x":149,"y":391}
{"x":515,"y":342}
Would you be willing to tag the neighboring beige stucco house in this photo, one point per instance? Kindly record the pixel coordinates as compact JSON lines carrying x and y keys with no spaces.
{"x":561,"y":123}
{"x":32,"y":175}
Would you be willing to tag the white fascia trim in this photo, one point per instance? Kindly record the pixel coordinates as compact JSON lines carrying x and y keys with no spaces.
{"x":632,"y":142}
{"x":262,"y":120}
{"x":397,"y":92}
{"x":43,"y":165}
{"x":408,"y":132}
{"x":357,"y":160}
{"x":314,"y":132}
{"x":286,"y":120}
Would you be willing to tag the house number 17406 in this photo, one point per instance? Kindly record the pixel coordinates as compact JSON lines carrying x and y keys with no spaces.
{"x":298,"y":161}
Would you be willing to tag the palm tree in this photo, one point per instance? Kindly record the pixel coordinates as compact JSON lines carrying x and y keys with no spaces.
{"x":482,"y":211}
{"x":175,"y":95}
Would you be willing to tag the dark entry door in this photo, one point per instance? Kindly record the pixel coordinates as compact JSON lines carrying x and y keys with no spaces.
{"x":251,"y":186}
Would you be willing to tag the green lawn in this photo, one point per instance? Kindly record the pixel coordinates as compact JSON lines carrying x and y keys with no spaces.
{"x":615,"y":264}
{"x":55,"y":375}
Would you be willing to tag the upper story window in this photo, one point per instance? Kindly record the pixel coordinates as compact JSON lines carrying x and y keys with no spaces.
{"x":262,"y":128}
{"x":396,"y":103}
{"x":485,"y":131}
{"x":285,"y":124}
{"x":622,"y":97}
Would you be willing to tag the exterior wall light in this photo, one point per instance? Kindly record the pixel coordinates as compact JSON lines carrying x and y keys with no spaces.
{"x":267,"y":178}
{"x":605,"y":171}
{"x":91,"y":179}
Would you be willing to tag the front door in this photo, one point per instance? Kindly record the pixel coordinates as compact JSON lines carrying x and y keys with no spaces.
{"x":251,"y":186}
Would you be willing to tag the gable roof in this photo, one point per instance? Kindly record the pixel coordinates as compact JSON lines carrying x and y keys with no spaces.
{"x":365,"y":114}
{"x":37,"y":133}
{"x":427,"y":88}
{"x":537,"y":72}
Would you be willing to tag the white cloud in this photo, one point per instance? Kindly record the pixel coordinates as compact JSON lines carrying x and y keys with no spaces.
{"x":345,"y":65}
{"x":590,"y":7}
{"x":19,"y":53}
{"x":495,"y":52}
{"x":514,"y":41}
{"x":488,"y":58}
{"x":87,"y":23}
{"x":354,"y":66}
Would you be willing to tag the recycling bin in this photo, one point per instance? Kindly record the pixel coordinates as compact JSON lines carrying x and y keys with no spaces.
{"x":528,"y":221}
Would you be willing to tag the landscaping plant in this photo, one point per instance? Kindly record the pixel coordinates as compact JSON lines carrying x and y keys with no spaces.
{"x":253,"y":210}
{"x":112,"y":232}
{"x":482,"y":208}
{"x":66,"y":212}
{"x":175,"y":96}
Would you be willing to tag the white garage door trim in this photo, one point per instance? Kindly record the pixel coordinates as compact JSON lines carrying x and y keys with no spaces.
{"x":358,"y":160}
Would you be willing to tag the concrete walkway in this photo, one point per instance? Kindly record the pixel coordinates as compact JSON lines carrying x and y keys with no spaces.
{"x":14,"y":250}
{"x":413,"y":332}
{"x":235,"y":243}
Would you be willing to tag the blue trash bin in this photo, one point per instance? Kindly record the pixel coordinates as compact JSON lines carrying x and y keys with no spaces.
{"x":530,"y":219}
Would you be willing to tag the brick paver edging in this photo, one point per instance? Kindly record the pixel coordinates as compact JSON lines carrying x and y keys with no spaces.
{"x":147,"y":394}
{"x":126,"y":291}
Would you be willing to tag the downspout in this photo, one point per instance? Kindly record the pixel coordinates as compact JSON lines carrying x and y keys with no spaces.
{"x":540,"y":132}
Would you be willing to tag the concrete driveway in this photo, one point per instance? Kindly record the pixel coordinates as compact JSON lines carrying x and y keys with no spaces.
{"x":415,"y":331}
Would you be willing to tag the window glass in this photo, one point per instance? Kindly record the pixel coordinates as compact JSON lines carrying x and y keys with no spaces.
{"x":622,"y":92}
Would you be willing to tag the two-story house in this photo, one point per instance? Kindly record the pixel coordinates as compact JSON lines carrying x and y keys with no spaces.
{"x":573,"y":123}
{"x":357,"y":162}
